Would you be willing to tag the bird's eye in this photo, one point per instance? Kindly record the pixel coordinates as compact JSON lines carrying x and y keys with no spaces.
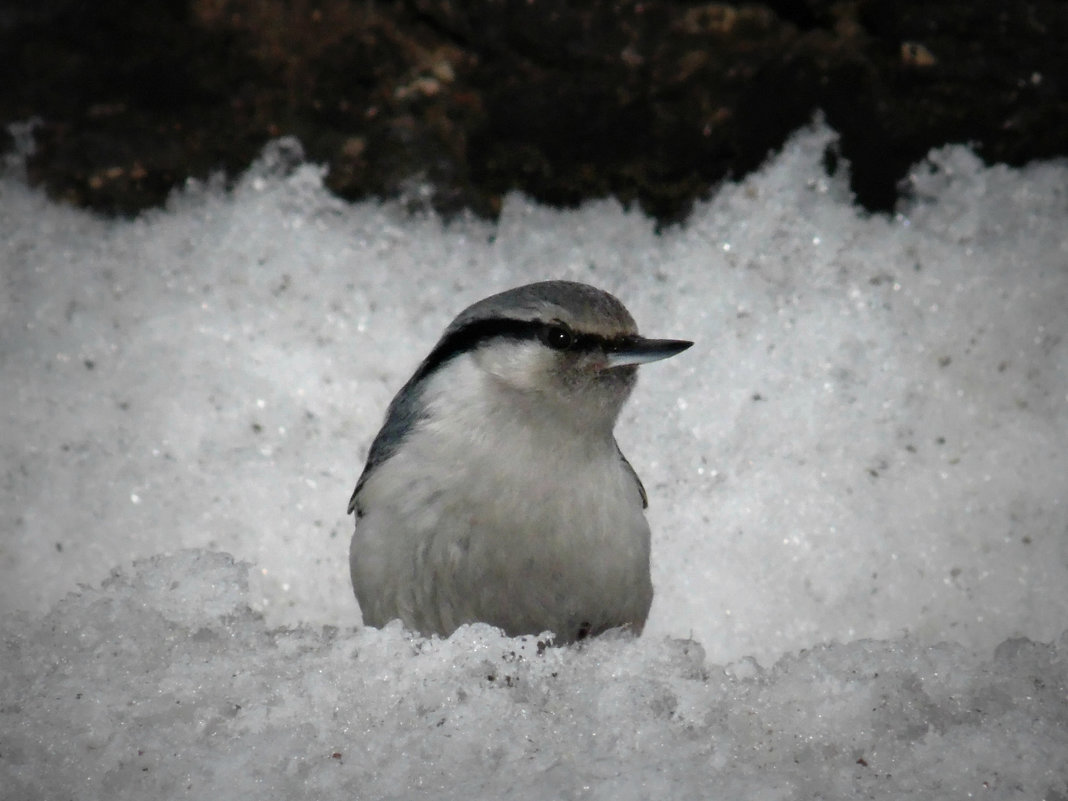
{"x":557,"y":336}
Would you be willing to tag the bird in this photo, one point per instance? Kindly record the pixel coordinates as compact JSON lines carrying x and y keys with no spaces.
{"x":495,"y":491}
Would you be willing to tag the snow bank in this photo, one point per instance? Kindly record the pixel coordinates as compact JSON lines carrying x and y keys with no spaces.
{"x":857,"y":481}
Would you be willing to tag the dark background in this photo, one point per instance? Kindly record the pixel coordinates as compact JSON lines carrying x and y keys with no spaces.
{"x":650,"y":102}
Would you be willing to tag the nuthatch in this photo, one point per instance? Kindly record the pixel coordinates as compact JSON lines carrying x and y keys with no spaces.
{"x":496,"y":491}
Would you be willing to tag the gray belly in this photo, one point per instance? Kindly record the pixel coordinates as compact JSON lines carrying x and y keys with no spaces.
{"x":558,"y":557}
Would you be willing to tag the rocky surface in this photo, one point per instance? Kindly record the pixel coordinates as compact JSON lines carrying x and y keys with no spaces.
{"x":454,"y":104}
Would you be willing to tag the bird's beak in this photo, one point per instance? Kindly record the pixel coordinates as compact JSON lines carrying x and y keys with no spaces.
{"x":637,"y":350}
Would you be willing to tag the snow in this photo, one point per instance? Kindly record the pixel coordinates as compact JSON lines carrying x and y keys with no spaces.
{"x":857,"y":492}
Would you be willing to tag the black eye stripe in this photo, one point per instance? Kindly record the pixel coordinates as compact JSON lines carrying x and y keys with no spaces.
{"x":478,"y":332}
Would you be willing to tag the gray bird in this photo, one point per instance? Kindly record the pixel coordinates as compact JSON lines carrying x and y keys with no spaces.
{"x":495,"y":491}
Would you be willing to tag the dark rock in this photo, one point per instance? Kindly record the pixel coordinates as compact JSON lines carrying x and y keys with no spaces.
{"x":650,"y":102}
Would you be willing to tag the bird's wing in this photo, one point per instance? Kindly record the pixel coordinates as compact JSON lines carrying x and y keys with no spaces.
{"x":638,"y":481}
{"x":403,"y":415}
{"x":352,"y":501}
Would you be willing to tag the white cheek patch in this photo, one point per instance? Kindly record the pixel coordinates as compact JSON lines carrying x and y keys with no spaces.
{"x":518,"y":364}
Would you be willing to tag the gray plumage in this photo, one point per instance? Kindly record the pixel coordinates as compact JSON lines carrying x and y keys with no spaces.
{"x":495,"y":490}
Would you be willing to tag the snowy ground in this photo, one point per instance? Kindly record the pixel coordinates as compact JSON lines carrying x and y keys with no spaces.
{"x":857,"y":480}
